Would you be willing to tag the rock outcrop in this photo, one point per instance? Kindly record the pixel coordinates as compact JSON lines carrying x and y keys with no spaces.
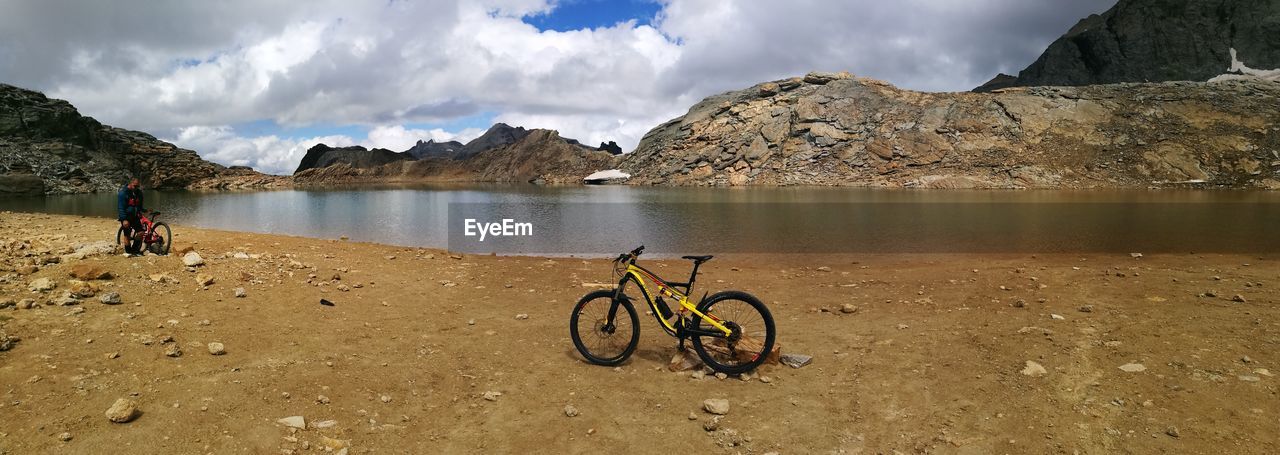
{"x":47,"y":147}
{"x":1157,"y":41}
{"x":432,"y":149}
{"x":322,"y":155}
{"x":834,"y":129}
{"x":539,"y":156}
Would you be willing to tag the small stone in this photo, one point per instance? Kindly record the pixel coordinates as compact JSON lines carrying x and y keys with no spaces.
{"x":1246,"y":359}
{"x":239,"y":293}
{"x":1238,"y":298}
{"x":717,"y":406}
{"x":192,"y":259}
{"x":173,"y":351}
{"x":217,"y":348}
{"x":293,"y":422}
{"x":1133,"y":367}
{"x":471,"y":322}
{"x":522,"y":316}
{"x":491,"y":395}
{"x":766,"y":379}
{"x":204,"y":279}
{"x":343,"y":287}
{"x":385,"y":398}
{"x":570,"y":411}
{"x":64,"y":437}
{"x":322,"y":399}
{"x":1248,"y":378}
{"x":722,"y":376}
{"x":692,"y":416}
{"x":1034,"y":369}
{"x":795,"y":360}
{"x":848,"y":308}
{"x":1086,"y":309}
{"x":42,"y":285}
{"x":1135,"y":255}
{"x":1020,"y":303}
{"x":110,"y":298}
{"x":123,"y":410}
{"x":1173,"y":431}
{"x":903,"y":327}
{"x":26,"y":304}
{"x":89,"y":272}
{"x":1057,"y":317}
{"x":824,"y":269}
{"x":711,"y":424}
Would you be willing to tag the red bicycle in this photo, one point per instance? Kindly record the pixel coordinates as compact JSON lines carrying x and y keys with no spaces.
{"x":156,"y":236}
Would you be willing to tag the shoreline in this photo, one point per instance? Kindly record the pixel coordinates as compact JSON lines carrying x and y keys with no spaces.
{"x":931,"y":354}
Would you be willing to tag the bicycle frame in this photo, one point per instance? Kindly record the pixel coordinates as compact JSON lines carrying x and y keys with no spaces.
{"x":639,"y":274}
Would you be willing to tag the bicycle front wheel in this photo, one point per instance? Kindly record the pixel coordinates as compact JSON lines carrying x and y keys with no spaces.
{"x":605,"y":331}
{"x":751,"y":338}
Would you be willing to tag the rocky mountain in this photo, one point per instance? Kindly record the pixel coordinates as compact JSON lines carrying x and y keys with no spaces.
{"x":834,"y":129}
{"x":47,"y":147}
{"x":321,"y":155}
{"x":432,"y":149}
{"x":1157,"y":41}
{"x":498,"y":135}
{"x":539,"y":156}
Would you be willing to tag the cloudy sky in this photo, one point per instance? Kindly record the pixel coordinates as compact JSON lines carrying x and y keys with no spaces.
{"x":257,"y":82}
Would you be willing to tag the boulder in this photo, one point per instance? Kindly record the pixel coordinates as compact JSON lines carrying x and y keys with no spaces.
{"x":88,"y":272}
{"x":192,"y":259}
{"x":122,"y":411}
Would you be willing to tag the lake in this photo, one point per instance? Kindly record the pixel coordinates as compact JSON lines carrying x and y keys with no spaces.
{"x":606,"y":220}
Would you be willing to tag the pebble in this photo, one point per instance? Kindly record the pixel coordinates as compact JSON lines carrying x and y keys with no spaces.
{"x":204,"y":280}
{"x":42,"y":285}
{"x":1086,"y":309}
{"x":1057,"y":317}
{"x":123,"y":410}
{"x":110,"y":298}
{"x":1247,"y":378}
{"x":491,"y":395}
{"x":721,"y":376}
{"x":1133,"y":367}
{"x":848,"y":308}
{"x":1238,"y":298}
{"x":64,"y":437}
{"x":692,"y":416}
{"x":1173,"y":431}
{"x":1034,"y":369}
{"x":192,"y":259}
{"x":173,"y":351}
{"x":570,"y":411}
{"x":824,"y":269}
{"x":766,"y":379}
{"x":217,"y":348}
{"x":471,"y":322}
{"x":717,"y":406}
{"x":293,"y":422}
{"x":322,"y":399}
{"x":522,"y":316}
{"x":795,"y":360}
{"x":239,"y":293}
{"x":385,"y":398}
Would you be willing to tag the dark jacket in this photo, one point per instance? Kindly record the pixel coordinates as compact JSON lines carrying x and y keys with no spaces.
{"x":128,"y":203}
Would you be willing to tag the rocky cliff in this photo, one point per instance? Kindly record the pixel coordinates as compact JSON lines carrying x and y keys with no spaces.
{"x":47,"y":147}
{"x":538,"y":156}
{"x":1156,"y":41}
{"x":432,"y":149}
{"x":834,"y":129}
{"x":321,"y":155}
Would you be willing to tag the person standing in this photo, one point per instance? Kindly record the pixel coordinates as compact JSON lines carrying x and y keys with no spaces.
{"x":129,"y":207}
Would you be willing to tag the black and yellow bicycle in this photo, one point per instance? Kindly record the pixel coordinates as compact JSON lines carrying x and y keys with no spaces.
{"x":732,"y":331}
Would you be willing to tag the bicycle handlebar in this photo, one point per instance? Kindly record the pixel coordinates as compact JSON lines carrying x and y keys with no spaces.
{"x":632,"y":255}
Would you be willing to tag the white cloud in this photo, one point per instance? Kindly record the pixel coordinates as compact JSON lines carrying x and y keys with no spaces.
{"x":398,"y":139}
{"x":379,"y":64}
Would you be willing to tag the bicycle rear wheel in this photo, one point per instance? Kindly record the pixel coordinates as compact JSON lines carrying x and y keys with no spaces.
{"x":752,"y":334}
{"x":166,"y":240}
{"x":599,"y":340}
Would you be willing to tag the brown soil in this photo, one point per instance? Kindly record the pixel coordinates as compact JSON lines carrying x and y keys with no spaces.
{"x":931,"y":361}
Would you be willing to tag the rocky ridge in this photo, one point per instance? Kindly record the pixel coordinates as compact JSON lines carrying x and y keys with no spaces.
{"x":502,"y":154}
{"x":1156,"y":41}
{"x":47,"y":147}
{"x":835,"y":129}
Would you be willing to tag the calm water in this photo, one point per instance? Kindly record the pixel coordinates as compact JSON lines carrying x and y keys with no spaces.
{"x":603,"y":220}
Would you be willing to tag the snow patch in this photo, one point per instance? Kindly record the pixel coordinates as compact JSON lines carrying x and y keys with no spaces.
{"x":1240,"y":71}
{"x":610,"y":174}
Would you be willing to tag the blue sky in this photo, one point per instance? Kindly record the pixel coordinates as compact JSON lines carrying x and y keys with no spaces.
{"x":580,"y":14}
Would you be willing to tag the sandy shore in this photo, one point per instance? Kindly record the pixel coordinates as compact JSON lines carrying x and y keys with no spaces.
{"x":933,"y":357}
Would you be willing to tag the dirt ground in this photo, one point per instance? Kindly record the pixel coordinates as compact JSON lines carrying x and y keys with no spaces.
{"x":932,"y":358}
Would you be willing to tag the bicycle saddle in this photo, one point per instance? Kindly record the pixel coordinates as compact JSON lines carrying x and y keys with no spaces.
{"x":698,"y":259}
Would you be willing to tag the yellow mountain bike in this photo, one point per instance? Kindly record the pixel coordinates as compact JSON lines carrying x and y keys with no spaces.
{"x":731,"y":331}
